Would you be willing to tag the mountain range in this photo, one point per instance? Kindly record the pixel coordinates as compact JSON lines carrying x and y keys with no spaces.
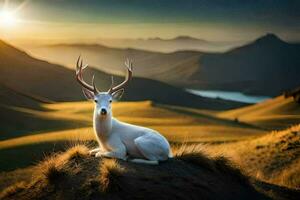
{"x":35,"y":79}
{"x":266,"y":66}
{"x":178,"y":43}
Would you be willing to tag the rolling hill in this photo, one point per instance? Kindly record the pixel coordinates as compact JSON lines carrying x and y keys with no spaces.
{"x":23,"y":73}
{"x":148,"y":64}
{"x":76,"y":175}
{"x":72,"y":121}
{"x":49,"y":82}
{"x":266,"y":66}
{"x":21,"y":114}
{"x":273,"y":157}
{"x":277,"y":113}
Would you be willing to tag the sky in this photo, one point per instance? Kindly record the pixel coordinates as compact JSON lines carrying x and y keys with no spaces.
{"x":87,"y":20}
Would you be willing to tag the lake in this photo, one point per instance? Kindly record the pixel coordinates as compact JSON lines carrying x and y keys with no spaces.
{"x":229,"y":95}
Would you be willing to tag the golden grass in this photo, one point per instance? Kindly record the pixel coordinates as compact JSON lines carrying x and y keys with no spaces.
{"x":290,"y":176}
{"x":15,"y":176}
{"x":78,"y":151}
{"x":54,"y":167}
{"x":197,"y":154}
{"x":193,"y":154}
{"x":11,"y":190}
{"x":277,"y":113}
{"x":190,"y":171}
{"x":80,"y":134}
{"x":110,"y":171}
{"x":176,"y":125}
{"x":274,"y":157}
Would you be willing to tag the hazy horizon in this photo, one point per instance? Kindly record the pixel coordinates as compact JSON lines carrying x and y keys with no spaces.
{"x":85,"y":21}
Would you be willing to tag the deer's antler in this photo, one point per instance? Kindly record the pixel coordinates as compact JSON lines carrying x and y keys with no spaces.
{"x":128,"y":65}
{"x":79,"y":77}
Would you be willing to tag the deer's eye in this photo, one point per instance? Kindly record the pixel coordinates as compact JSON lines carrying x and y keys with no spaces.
{"x":96,"y":101}
{"x":110,"y":101}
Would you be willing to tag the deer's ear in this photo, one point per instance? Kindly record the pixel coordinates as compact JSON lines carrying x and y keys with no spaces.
{"x":118,"y":94}
{"x":88,"y":94}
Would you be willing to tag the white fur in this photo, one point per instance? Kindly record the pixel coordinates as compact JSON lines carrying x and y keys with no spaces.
{"x":126,"y":141}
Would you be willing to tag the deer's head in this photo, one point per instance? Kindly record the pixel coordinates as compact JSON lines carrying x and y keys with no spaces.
{"x":102,"y":100}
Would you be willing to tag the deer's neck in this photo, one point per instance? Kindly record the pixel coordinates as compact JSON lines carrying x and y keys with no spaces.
{"x":103,"y":125}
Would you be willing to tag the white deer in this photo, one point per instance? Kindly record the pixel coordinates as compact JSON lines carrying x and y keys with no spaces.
{"x":118,"y":139}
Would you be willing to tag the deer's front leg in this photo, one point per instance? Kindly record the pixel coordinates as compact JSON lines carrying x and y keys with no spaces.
{"x":112,"y":154}
{"x":95,"y":151}
{"x":118,"y":150}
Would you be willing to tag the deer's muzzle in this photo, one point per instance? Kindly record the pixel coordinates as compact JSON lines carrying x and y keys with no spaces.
{"x":103,"y":111}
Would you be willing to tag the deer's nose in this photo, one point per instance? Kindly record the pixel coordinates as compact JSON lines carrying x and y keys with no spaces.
{"x":103,"y":111}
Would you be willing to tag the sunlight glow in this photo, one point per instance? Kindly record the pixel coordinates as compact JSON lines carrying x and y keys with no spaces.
{"x":7,"y":18}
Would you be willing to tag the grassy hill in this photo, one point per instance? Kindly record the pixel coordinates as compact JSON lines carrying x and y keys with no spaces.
{"x":21,"y":114}
{"x":176,"y":123}
{"x":75,"y":175}
{"x":31,"y":76}
{"x":273,"y":157}
{"x":277,"y":113}
{"x":266,"y":66}
{"x":34,"y":126}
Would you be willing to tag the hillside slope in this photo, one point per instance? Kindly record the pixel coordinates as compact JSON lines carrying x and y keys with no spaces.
{"x":147,"y":64}
{"x":277,"y":113}
{"x":274,"y":157}
{"x":63,"y":123}
{"x":190,"y":175}
{"x":22,"y":113}
{"x":24,"y":73}
{"x":43,"y":80}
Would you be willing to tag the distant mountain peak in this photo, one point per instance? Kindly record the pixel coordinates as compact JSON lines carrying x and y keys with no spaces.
{"x":185,"y":37}
{"x":269,"y":38}
{"x":179,"y":38}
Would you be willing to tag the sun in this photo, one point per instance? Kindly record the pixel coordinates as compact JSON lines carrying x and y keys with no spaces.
{"x":7,"y":18}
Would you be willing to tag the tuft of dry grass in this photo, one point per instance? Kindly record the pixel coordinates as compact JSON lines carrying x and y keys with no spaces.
{"x":77,"y":152}
{"x":289,"y":177}
{"x":195,"y":154}
{"x":55,"y":168}
{"x":110,"y":171}
{"x":52,"y":169}
{"x":11,"y":190}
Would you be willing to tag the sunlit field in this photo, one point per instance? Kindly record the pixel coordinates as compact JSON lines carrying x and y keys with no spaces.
{"x":277,"y":113}
{"x":176,"y":123}
{"x":213,"y":88}
{"x":273,"y":157}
